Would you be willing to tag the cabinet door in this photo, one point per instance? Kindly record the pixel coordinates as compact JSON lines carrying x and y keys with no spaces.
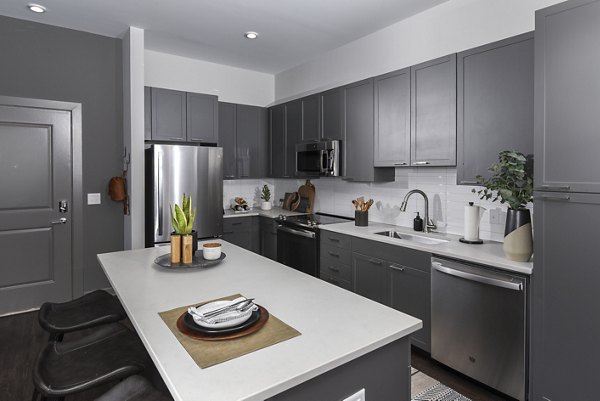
{"x":433,"y":112}
{"x":264,"y":147}
{"x":411,"y":293}
{"x":495,"y":104}
{"x":277,"y":136}
{"x":370,"y":277}
{"x":247,"y":128}
{"x":310,"y":118}
{"x":359,"y":164}
{"x":147,"y":113}
{"x":565,"y":318}
{"x":293,"y":127}
{"x":168,"y":115}
{"x":332,"y":114}
{"x":268,"y":238}
{"x":567,"y":97}
{"x":392,"y":119}
{"x":202,"y":118}
{"x":227,"y":139}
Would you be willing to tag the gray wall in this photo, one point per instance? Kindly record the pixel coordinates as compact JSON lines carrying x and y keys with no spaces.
{"x":48,"y":62}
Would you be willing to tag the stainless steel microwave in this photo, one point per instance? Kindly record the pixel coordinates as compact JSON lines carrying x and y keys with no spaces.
{"x":318,"y":159}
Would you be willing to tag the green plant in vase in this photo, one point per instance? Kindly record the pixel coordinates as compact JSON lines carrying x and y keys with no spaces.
{"x":265,"y":195}
{"x":512,"y":183}
{"x":183,"y":237}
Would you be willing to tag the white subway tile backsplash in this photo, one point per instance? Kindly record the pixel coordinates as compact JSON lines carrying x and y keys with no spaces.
{"x":248,"y":189}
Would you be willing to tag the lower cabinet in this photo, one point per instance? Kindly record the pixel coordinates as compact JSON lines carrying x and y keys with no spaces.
{"x":335,"y":264}
{"x":243,"y":232}
{"x":268,"y":237}
{"x":370,"y":277}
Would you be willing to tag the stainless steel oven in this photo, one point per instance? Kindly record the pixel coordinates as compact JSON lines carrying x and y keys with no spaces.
{"x":318,"y":159}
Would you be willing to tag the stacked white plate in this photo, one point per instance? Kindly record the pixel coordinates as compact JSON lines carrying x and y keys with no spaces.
{"x":229,"y":318}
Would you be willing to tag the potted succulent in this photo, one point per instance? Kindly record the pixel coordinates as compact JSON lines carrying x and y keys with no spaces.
{"x":184,"y":240}
{"x":265,"y":195}
{"x":512,"y":183}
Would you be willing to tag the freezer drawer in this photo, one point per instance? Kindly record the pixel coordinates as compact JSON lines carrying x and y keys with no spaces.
{"x":478,"y":324}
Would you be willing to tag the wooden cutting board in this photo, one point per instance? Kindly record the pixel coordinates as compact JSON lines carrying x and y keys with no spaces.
{"x":308,"y":191}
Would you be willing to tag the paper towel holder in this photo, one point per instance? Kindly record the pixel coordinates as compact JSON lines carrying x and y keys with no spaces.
{"x":471,"y":242}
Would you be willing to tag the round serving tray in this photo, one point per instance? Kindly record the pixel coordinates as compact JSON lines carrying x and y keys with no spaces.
{"x":198,"y":261}
{"x":227,"y":334}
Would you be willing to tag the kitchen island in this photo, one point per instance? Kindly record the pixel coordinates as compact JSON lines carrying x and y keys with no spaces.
{"x":347,"y":342}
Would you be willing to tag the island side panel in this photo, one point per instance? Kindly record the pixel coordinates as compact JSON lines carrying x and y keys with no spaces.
{"x":383,"y":373}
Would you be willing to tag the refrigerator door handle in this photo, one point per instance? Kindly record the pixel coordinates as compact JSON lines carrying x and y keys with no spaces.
{"x":511,"y":285}
{"x":159,"y":187}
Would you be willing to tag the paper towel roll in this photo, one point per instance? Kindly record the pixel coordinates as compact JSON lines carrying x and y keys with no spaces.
{"x":472,"y":222}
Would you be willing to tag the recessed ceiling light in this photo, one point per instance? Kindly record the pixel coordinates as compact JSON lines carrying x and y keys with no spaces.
{"x":36,"y":8}
{"x":251,"y":35}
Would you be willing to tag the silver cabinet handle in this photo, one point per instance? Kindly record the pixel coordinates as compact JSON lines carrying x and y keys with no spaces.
{"x":334,"y":239}
{"x":554,"y":197}
{"x":62,"y":220}
{"x":398,"y":268}
{"x":420,"y":163}
{"x":334,"y":269}
{"x":469,"y":182}
{"x":553,"y":188}
{"x":196,"y":140}
{"x":511,"y":285}
{"x":337,"y":255}
{"x":400,"y":164}
{"x":375,"y":261}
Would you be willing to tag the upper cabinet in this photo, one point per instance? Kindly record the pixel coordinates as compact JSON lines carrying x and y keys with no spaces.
{"x":293,"y":135}
{"x":332,"y":114}
{"x":243,"y":134}
{"x":180,"y":116}
{"x":202,"y":118}
{"x":310,"y":119}
{"x":567,"y":97}
{"x":392,"y":119}
{"x":494,"y":105}
{"x":359,"y":115}
{"x":433,"y":112}
{"x":277,"y":137}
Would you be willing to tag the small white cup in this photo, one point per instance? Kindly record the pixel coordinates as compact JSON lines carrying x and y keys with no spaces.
{"x":211,"y":250}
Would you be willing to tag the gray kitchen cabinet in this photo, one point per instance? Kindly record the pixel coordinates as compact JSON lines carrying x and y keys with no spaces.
{"x":227,"y":139}
{"x":567,"y":97}
{"x":147,"y":113}
{"x":332,"y":114}
{"x":335,"y":264}
{"x":202,"y":118}
{"x":293,"y":134}
{"x":277,"y":139}
{"x":494,"y":104}
{"x":310,"y":119}
{"x":243,"y":232}
{"x":433,"y":112}
{"x":392,"y":119}
{"x":168,"y":115}
{"x":565,"y":319}
{"x":370,"y":277}
{"x":359,"y":116}
{"x":268,"y":237}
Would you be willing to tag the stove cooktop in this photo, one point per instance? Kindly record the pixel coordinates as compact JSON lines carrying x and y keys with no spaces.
{"x":313,"y":220}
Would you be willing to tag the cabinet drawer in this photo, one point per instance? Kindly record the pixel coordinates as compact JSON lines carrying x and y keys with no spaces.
{"x":339,"y":282}
{"x":330,"y":267}
{"x":393,"y":253}
{"x":329,"y":238}
{"x":336,"y":254}
{"x":237,"y":224}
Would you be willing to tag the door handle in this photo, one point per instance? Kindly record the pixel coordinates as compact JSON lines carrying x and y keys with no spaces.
{"x":421,"y":163}
{"x":553,"y":188}
{"x":375,"y":262}
{"x":511,"y":285}
{"x":400,"y":269}
{"x":400,"y":164}
{"x":62,"y":220}
{"x":554,"y":197}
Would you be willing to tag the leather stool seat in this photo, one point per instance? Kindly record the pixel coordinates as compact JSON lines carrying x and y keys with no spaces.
{"x":134,"y":388}
{"x":90,"y":310}
{"x":111,"y":352}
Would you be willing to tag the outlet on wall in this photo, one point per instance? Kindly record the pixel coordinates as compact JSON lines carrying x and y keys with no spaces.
{"x":360,"y":396}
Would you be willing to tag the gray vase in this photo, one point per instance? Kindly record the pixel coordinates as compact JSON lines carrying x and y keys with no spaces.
{"x":518,"y":238}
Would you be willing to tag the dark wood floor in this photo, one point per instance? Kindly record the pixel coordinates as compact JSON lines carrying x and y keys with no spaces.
{"x":467,"y":387}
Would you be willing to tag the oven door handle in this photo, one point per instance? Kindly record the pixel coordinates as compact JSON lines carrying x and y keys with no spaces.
{"x":511,"y":285}
{"x":302,"y":233}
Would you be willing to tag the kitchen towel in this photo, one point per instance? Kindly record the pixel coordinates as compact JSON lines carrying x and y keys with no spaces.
{"x":209,"y":353}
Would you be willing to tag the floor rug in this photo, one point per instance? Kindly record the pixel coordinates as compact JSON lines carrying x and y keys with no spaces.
{"x":439,"y":392}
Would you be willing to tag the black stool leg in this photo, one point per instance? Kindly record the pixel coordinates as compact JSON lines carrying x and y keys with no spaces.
{"x":58,"y":337}
{"x":35,"y":395}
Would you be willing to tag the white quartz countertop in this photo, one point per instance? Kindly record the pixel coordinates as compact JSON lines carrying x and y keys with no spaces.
{"x":331,"y":320}
{"x":273,"y":213}
{"x":489,"y":253}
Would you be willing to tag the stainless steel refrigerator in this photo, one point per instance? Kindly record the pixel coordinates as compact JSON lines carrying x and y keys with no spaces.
{"x":172,"y":170}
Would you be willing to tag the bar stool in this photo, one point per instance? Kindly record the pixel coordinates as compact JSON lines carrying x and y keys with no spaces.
{"x":90,"y":310}
{"x":134,"y":388}
{"x":110,"y":353}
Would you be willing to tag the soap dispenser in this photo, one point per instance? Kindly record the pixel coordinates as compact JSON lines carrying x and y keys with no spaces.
{"x":418,"y":223}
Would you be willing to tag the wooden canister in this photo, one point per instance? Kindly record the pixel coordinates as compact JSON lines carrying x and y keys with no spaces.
{"x":175,"y":248}
{"x":187,"y":249}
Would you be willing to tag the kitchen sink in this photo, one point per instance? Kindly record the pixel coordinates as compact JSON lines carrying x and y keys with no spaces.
{"x":412,"y":237}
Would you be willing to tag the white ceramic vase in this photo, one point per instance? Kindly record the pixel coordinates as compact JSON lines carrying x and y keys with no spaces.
{"x":266,"y":205}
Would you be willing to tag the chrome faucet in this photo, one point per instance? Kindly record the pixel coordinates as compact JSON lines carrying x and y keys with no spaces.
{"x":428,"y":226}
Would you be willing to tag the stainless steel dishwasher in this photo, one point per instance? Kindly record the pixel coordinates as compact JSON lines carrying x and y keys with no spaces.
{"x":478,"y":323}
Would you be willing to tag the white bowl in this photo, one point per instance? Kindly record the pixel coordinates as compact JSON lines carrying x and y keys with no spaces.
{"x":211,"y":251}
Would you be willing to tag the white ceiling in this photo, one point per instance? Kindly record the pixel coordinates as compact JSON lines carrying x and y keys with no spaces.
{"x":291,"y":31}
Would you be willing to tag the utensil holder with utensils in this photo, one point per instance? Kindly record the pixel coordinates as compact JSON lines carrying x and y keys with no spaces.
{"x":361,"y":219}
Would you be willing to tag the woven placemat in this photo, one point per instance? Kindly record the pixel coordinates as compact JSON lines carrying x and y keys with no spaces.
{"x":209,"y":353}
